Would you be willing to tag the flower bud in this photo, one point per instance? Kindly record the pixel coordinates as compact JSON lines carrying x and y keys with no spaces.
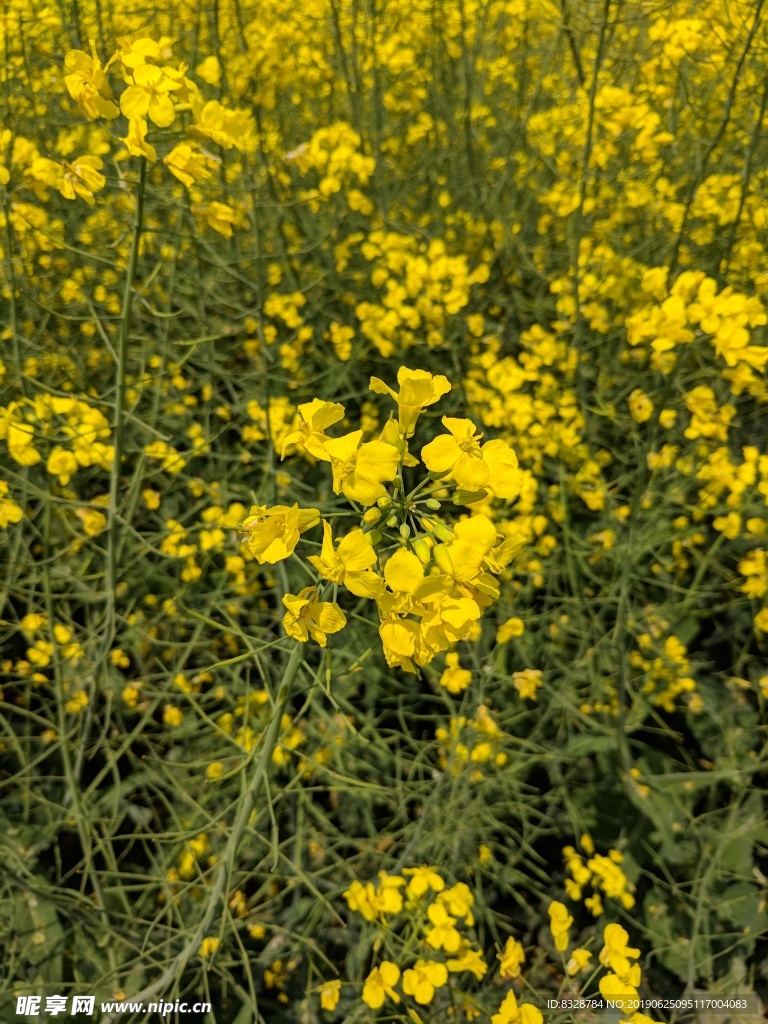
{"x":443,"y":559}
{"x":422,"y":550}
{"x":384,"y":501}
{"x":392,"y":521}
{"x":405,"y":531}
{"x":432,"y":503}
{"x":373,"y":537}
{"x":443,"y":533}
{"x":371,"y":517}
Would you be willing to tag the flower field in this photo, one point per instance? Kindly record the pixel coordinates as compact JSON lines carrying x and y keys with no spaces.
{"x":383,"y":488}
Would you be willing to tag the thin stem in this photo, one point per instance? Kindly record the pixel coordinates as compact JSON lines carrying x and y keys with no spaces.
{"x":225,"y":865}
{"x":118,"y":422}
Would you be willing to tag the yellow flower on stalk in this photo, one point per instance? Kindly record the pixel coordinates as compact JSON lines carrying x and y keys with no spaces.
{"x":189,"y":164}
{"x":81,"y":178}
{"x":423,"y":978}
{"x":135,"y":140}
{"x":349,"y":564}
{"x":510,"y":1013}
{"x":149,"y":95}
{"x":314,"y":419}
{"x":329,"y":994}
{"x":87,"y":84}
{"x":418,"y":389}
{"x":492,"y":467}
{"x":512,"y":958}
{"x":306,"y":616}
{"x":454,"y":678}
{"x":560,"y":922}
{"x":273,"y":533}
{"x":380,"y":983}
{"x":218,"y":216}
{"x":578,"y":960}
{"x":359,"y":470}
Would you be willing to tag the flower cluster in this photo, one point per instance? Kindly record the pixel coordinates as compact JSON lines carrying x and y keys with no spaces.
{"x":429,"y":581}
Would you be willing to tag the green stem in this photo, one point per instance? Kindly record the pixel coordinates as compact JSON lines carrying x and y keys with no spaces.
{"x":119,"y":415}
{"x":172,"y":974}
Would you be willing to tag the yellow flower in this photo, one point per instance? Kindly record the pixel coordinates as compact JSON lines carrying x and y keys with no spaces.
{"x":380,"y":983}
{"x":511,"y":1013}
{"x":455,"y":679}
{"x":87,"y":84}
{"x":616,"y":953}
{"x":349,"y":564}
{"x":81,"y":178}
{"x":511,"y":628}
{"x":527,"y":682}
{"x":640,"y":406}
{"x":360,"y":469}
{"x":218,"y":216}
{"x":189,"y":164}
{"x":208,"y":946}
{"x":560,"y":922}
{"x":62,"y":464}
{"x":512,"y":958}
{"x":423,"y":880}
{"x":418,"y":389}
{"x":226,"y":127}
{"x":306,"y":616}
{"x":148,"y":96}
{"x":442,"y":934}
{"x":172,"y":716}
{"x":579,"y":959}
{"x":615,"y":990}
{"x":272,"y":533}
{"x":10,"y":512}
{"x":135,"y":140}
{"x":492,"y":467}
{"x":422,"y":980}
{"x":329,"y":994}
{"x":469,"y":960}
{"x":314,"y":419}
{"x":94,"y":522}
